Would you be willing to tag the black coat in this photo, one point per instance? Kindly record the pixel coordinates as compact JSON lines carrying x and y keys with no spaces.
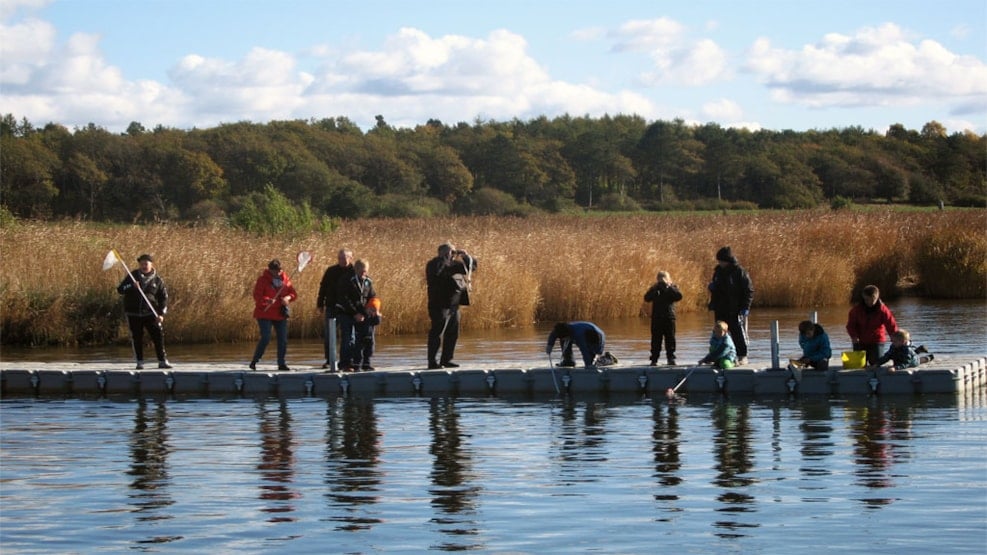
{"x":352,"y":294}
{"x":327,"y":287}
{"x":153,"y":287}
{"x":731,"y":290}
{"x":663,"y":297}
{"x":448,"y":282}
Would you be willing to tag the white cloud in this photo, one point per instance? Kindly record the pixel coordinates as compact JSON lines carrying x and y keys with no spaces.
{"x":723,"y":109}
{"x":24,"y":46}
{"x":415,"y":77}
{"x":678,"y":59}
{"x":9,"y":7}
{"x":876,"y":67}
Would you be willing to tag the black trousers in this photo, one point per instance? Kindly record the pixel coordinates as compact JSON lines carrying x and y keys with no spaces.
{"x":444,"y":332}
{"x":662,"y":329}
{"x":137,"y":326}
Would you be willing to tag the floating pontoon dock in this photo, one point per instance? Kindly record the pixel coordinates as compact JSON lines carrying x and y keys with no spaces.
{"x":946,"y":374}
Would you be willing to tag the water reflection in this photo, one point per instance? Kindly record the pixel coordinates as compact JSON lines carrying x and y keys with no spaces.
{"x":581,"y":444}
{"x":454,"y":492}
{"x":149,"y":449}
{"x":352,"y":457}
{"x":817,"y":444}
{"x":881,"y":433}
{"x":734,"y":462}
{"x":277,"y":463}
{"x":665,"y":434}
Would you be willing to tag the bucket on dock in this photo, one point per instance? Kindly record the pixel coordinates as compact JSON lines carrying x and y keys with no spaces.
{"x":853,"y":360}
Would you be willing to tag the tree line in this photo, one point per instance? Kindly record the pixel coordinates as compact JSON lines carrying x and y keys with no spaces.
{"x":245,"y":172}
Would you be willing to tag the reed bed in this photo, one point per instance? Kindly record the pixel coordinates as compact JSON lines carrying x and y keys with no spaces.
{"x":53,"y":289}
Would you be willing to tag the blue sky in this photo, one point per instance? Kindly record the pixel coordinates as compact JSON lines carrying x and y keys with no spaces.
{"x":775,"y":64}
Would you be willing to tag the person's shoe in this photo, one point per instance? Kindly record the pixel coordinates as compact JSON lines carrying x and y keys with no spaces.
{"x":433,"y":366}
{"x":931,"y":357}
{"x":326,"y":365}
{"x":284,"y":368}
{"x":367,"y":368}
{"x":449,"y":364}
{"x":164,"y":364}
{"x":567,"y":363}
{"x":653,"y":362}
{"x":671,"y":362}
{"x":921,"y":350}
{"x":741,"y":361}
{"x":253,"y":364}
{"x":140,"y":364}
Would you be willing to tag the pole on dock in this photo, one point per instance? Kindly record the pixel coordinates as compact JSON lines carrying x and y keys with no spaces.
{"x":775,"y":346}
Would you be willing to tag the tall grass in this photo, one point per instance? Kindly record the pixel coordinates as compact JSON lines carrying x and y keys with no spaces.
{"x":53,"y":289}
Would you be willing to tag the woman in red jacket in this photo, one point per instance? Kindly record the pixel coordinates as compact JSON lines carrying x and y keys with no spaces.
{"x":273,"y":293}
{"x":870,"y":323}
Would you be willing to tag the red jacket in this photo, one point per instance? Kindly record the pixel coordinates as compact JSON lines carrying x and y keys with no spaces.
{"x":869,"y":325}
{"x":266,"y":306}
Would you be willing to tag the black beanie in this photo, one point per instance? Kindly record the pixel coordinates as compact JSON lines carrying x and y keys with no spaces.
{"x":726,"y":255}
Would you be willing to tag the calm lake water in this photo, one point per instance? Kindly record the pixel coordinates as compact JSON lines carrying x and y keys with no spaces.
{"x":494,"y":475}
{"x":953,"y":327}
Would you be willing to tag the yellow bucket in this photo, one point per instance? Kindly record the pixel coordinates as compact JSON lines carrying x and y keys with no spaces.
{"x":853,"y":360}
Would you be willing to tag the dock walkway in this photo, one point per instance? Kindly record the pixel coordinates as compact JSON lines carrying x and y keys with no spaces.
{"x":946,"y":374}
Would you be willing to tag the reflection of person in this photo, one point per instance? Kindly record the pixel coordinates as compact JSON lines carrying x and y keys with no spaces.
{"x":447,"y":277}
{"x":273,"y":293}
{"x":663,"y":295}
{"x":140,"y":314}
{"x":722,"y":352}
{"x":901,"y":354}
{"x":869,"y":323}
{"x":731,"y":294}
{"x":816,"y":349}
{"x":352,"y":294}
{"x":586,"y":335}
{"x":326,"y":301}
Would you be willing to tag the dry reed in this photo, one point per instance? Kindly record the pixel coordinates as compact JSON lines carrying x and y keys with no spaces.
{"x":53,"y":290}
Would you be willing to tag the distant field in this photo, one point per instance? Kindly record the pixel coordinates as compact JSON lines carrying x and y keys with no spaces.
{"x":53,"y":289}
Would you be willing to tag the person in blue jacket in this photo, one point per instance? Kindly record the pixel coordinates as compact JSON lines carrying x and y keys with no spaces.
{"x":586,"y":335}
{"x":722,"y":353}
{"x":814,"y":341}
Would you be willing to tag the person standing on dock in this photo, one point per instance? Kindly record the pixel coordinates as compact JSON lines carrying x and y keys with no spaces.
{"x":273,"y":293}
{"x":663,"y":295}
{"x":447,"y":277}
{"x":869,"y":324}
{"x":731,"y":294}
{"x":147,"y":310}
{"x":352,"y":295}
{"x":325,"y":303}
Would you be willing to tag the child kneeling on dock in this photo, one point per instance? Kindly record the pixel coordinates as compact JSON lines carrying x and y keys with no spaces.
{"x":901,"y":353}
{"x":722,"y":352}
{"x":816,"y":350}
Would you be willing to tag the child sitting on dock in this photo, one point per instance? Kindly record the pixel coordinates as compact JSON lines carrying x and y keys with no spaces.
{"x":722,"y":352}
{"x":816,"y":350}
{"x":901,"y":353}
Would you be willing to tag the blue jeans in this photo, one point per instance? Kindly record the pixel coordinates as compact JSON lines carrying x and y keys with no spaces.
{"x":347,"y":342}
{"x":281,"y":328}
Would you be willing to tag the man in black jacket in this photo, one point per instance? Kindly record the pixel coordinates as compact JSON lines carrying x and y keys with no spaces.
{"x":731,"y":294}
{"x":448,"y":279}
{"x":145,"y":302}
{"x":325,"y":303}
